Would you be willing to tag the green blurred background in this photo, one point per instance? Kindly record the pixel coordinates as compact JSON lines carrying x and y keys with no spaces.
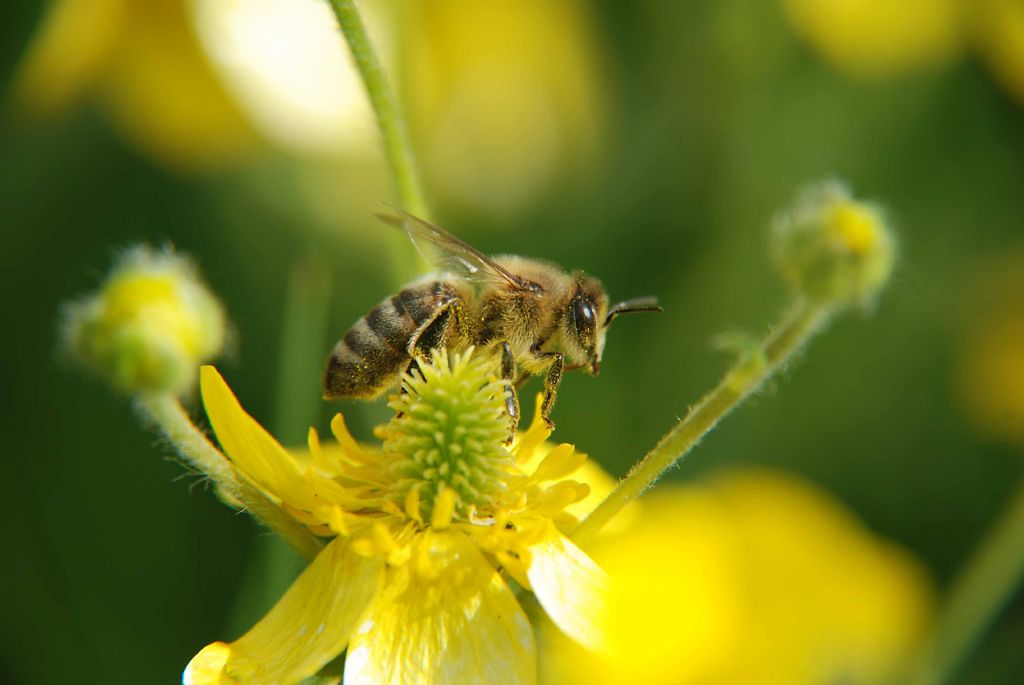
{"x":648,"y":142}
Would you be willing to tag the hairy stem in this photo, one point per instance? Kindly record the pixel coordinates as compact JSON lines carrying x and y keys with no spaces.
{"x":977,"y":595}
{"x":749,"y":373}
{"x":174,"y":422}
{"x":389,"y":119}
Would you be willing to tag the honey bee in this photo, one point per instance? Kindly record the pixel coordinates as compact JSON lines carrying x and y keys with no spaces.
{"x":537,"y":316}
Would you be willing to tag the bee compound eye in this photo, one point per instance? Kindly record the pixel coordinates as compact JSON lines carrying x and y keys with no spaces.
{"x":585,"y":318}
{"x":584,"y":312}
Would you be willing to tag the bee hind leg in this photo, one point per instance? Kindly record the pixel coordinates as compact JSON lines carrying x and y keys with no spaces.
{"x":429,"y":336}
{"x":434,"y":332}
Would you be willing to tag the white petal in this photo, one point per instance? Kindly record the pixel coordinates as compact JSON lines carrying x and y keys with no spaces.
{"x":456,"y":624}
{"x":572,"y":589}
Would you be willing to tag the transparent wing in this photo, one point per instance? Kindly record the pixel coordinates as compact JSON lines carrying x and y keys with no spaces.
{"x":451,"y":254}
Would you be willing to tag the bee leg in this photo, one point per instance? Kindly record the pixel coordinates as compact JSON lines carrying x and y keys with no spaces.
{"x":412,"y":369}
{"x":551,"y":381}
{"x":430,"y":335}
{"x":434,"y":333}
{"x":508,"y":374}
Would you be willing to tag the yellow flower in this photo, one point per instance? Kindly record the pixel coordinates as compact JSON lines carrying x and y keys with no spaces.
{"x":1000,"y":37}
{"x":506,"y":96}
{"x":990,"y":373}
{"x":145,"y":61}
{"x":427,"y":531}
{"x":992,"y":377}
{"x":756,"y":577}
{"x":199,"y":85}
{"x":291,"y":72}
{"x":874,"y":38}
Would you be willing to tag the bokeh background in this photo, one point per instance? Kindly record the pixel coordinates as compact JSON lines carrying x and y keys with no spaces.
{"x":648,"y":142}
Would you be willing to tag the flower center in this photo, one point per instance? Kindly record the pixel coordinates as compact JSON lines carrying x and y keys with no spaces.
{"x":447,"y":435}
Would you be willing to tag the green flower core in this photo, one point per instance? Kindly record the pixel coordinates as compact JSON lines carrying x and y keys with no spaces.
{"x":448,"y":433}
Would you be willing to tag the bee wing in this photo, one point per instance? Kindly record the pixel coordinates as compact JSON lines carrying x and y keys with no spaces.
{"x":455,"y":254}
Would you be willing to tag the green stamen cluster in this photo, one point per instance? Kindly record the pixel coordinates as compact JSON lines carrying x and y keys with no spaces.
{"x":448,"y":432}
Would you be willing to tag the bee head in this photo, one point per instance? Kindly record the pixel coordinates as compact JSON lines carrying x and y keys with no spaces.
{"x":584,"y":323}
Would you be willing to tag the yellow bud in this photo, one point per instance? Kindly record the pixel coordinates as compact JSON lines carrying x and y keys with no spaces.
{"x":151,"y":324}
{"x":833,"y":248}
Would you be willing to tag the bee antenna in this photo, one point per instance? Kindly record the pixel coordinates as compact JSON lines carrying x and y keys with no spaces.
{"x":637,"y":304}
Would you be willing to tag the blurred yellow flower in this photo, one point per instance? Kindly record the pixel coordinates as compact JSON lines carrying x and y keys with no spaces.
{"x":289,"y":68}
{"x":197,"y":84}
{"x":875,"y":38}
{"x":426,"y":531}
{"x":1000,"y":39}
{"x":505,"y":96}
{"x":755,"y":577}
{"x":146,"y":63}
{"x":991,"y":370}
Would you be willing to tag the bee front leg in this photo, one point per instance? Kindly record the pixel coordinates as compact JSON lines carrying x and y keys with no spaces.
{"x":508,"y":374}
{"x":551,"y":381}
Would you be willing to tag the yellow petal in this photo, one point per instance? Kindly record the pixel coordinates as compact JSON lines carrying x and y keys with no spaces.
{"x":601,"y":485}
{"x":462,"y":626}
{"x":73,"y":46}
{"x":559,"y":462}
{"x":253,"y":450}
{"x":306,"y":629}
{"x":534,"y":436}
{"x":444,"y":508}
{"x":572,"y":589}
{"x":208,"y":665}
{"x":163,"y":93}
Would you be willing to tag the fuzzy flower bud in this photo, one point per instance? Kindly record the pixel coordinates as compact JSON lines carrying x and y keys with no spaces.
{"x":832,"y":248}
{"x":151,"y":324}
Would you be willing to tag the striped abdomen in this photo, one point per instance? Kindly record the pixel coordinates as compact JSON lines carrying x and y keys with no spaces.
{"x":375,"y":351}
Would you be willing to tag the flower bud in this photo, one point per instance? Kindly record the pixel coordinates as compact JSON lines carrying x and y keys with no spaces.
{"x":151,"y":324}
{"x":832,"y":248}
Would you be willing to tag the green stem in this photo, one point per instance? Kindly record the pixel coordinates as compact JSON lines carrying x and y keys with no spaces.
{"x":167,"y":413}
{"x":803,"y":321}
{"x":300,"y":365}
{"x":389,"y":120}
{"x":977,"y":595}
